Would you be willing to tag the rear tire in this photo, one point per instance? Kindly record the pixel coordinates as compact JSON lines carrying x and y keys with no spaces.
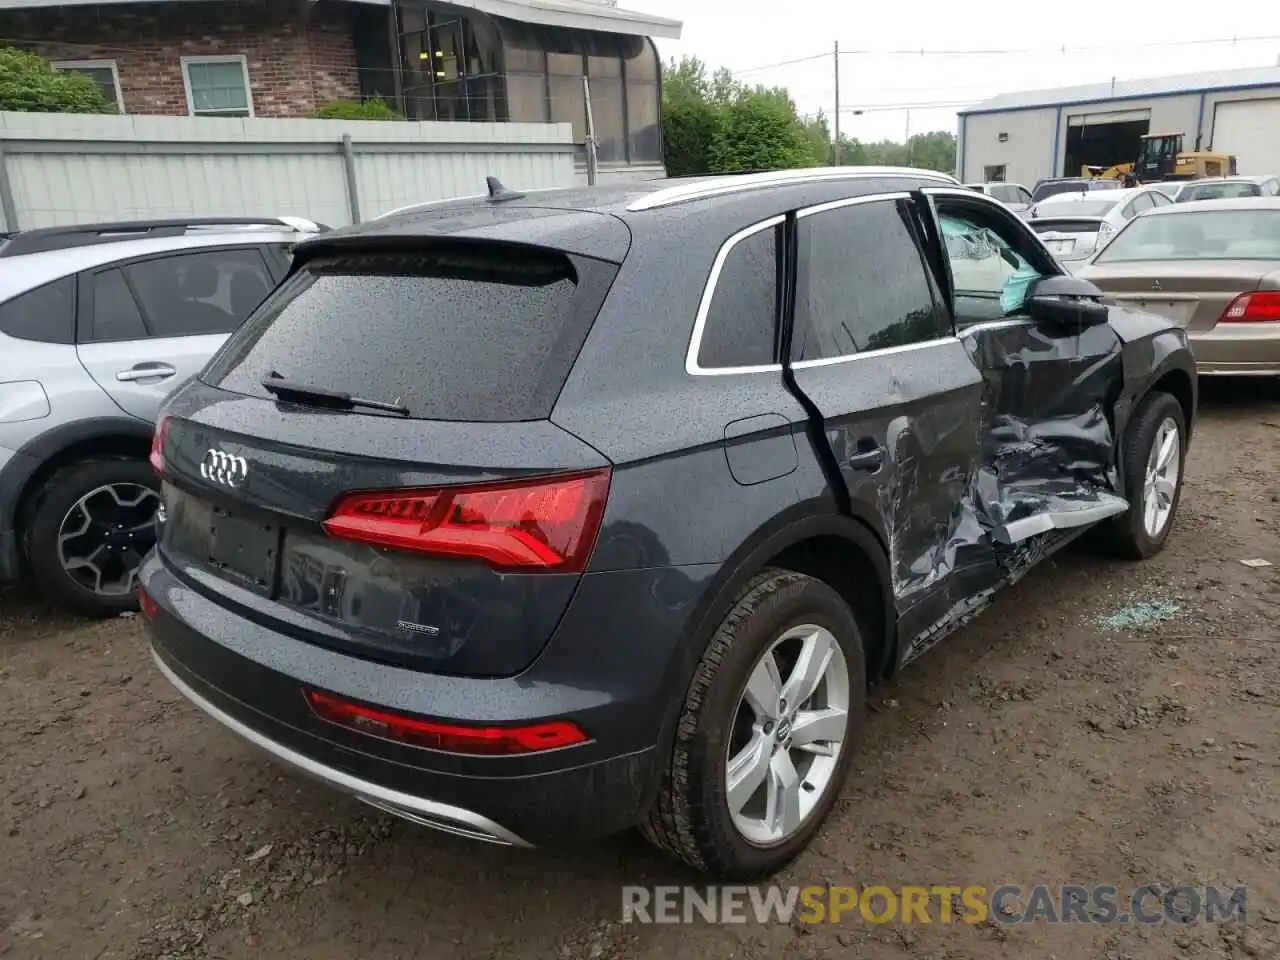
{"x":88,"y":532}
{"x":1152,"y":478}
{"x":789,"y":619}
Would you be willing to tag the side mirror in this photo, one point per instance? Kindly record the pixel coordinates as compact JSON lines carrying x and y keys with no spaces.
{"x":1066,"y":302}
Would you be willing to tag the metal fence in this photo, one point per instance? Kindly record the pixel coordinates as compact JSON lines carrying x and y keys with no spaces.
{"x":65,"y":168}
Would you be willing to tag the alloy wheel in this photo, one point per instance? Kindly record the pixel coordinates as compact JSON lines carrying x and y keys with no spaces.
{"x":788,"y":730}
{"x":1161,"y":483}
{"x":105,"y":535}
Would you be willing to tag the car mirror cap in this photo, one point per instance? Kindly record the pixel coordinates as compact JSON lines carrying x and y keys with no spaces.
{"x":1069,"y":301}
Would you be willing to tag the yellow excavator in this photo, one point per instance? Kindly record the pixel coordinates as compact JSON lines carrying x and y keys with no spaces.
{"x":1161,"y":157}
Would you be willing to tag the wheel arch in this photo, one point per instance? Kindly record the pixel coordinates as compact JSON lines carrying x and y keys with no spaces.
{"x":813,"y":539}
{"x":98,"y":438}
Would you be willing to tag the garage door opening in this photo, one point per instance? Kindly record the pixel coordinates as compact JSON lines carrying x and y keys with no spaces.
{"x":1102,"y":140}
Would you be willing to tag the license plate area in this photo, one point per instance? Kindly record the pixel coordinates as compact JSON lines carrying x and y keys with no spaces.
{"x":242,"y":550}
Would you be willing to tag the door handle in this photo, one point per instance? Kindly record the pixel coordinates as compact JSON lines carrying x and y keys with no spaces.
{"x":146,"y":371}
{"x":870,"y":460}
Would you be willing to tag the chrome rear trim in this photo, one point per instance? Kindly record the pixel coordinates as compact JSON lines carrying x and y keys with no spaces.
{"x":428,"y":813}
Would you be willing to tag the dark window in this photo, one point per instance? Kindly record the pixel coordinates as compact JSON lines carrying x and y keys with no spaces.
{"x":862,"y":284}
{"x":569,"y":104}
{"x":642,"y":121}
{"x":115,"y":312}
{"x":742,"y":318}
{"x":46,"y":314}
{"x":642,"y":61}
{"x":607,"y":112}
{"x":526,"y":98}
{"x":458,"y":334}
{"x":200,"y":293}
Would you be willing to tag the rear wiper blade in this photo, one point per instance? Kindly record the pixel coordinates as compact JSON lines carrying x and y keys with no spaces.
{"x":292,"y":390}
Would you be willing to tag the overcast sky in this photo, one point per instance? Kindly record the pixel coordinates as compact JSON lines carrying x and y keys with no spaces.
{"x":742,"y":34}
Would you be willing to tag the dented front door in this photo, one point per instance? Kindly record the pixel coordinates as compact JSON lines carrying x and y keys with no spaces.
{"x":874,"y":351}
{"x":1048,"y":446}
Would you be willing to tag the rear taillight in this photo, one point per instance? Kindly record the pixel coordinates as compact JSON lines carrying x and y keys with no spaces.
{"x":157,"y":446}
{"x":487,"y":741}
{"x":1253,"y":308}
{"x":549,"y":523}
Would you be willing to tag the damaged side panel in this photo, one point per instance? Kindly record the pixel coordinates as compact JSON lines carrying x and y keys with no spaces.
{"x":1048,"y":445}
{"x":981,"y":457}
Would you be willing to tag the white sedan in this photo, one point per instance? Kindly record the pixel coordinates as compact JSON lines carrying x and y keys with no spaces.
{"x":1076,"y":225}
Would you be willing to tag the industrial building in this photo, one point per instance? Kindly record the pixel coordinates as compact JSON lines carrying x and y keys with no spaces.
{"x":1024,"y":137}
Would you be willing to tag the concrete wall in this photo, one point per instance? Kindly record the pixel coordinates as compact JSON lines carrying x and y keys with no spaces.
{"x":1033,"y":151}
{"x":65,"y":168}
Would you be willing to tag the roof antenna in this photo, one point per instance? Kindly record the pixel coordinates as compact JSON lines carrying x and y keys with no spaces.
{"x":499,"y":193}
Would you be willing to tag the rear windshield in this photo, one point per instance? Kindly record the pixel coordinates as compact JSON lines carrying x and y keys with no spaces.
{"x":464,"y":332}
{"x":1075,"y":208}
{"x":1065,"y":226}
{"x":1218,"y":234}
{"x":1218,"y":191}
{"x":1043,"y":190}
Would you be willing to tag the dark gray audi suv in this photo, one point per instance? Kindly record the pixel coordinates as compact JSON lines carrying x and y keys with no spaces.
{"x":535,"y":517}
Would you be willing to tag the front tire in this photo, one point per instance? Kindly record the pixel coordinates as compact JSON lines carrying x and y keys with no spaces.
{"x":88,"y":532}
{"x":764,"y":739}
{"x":1155,"y":451}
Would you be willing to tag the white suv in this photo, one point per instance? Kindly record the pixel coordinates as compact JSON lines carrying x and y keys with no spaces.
{"x":98,"y":324}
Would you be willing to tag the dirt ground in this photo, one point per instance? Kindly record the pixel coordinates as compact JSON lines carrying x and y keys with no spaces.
{"x":1039,"y":745}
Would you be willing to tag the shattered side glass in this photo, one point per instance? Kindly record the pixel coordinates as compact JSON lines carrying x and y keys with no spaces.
{"x":983,"y":263}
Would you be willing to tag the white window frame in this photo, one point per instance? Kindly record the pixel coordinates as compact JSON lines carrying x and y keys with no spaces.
{"x":70,"y":66}
{"x":221,"y":58}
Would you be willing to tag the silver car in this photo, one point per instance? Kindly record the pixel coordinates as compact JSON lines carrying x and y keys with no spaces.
{"x":1229,"y":188}
{"x":1013,"y":195}
{"x":98,"y":324}
{"x":1076,"y":225}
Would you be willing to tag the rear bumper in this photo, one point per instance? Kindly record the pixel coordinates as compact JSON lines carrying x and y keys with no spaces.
{"x":251,"y":679}
{"x":441,"y":816}
{"x":1243,"y":349}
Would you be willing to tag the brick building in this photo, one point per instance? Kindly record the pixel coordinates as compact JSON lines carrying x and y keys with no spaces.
{"x":478,"y":60}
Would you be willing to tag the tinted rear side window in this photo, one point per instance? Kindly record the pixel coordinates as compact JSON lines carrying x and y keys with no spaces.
{"x":862,"y":284}
{"x":115,"y":312}
{"x":200,"y":293}
{"x":456,"y":333}
{"x":46,"y":314}
{"x":742,"y":316}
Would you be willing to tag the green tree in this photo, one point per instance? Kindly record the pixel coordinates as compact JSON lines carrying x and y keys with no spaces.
{"x":30,"y":85}
{"x":691,"y":122}
{"x":761,"y":133}
{"x":818,"y":134}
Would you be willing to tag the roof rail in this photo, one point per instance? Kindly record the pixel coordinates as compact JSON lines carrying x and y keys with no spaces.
{"x":702,"y":188}
{"x":43,"y":239}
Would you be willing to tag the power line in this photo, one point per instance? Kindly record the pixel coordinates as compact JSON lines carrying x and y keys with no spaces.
{"x":1012,"y":51}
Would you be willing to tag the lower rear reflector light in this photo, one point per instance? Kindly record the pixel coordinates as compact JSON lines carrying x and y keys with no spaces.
{"x":149,"y":607}
{"x":480,"y":741}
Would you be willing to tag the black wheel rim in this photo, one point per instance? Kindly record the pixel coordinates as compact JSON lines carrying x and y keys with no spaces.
{"x":105,"y":535}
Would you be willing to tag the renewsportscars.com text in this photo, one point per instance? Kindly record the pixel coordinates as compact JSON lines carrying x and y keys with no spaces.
{"x":973,"y":904}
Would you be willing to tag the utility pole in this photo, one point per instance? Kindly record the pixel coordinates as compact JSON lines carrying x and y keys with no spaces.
{"x":908,"y":136}
{"x":836,"y":149}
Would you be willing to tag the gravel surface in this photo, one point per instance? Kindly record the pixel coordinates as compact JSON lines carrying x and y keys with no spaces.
{"x":1104,"y":723}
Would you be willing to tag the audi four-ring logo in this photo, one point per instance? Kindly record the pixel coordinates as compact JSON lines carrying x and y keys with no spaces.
{"x":224,"y":468}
